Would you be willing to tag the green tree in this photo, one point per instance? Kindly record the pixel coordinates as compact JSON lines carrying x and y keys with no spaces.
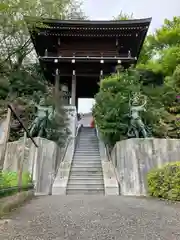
{"x":15,"y":42}
{"x":161,"y":56}
{"x":111,"y":110}
{"x":20,"y":77}
{"x":123,"y":16}
{"x":112,"y":104}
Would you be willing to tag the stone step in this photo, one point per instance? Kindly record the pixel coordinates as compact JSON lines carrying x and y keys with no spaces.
{"x":87,"y":144}
{"x":93,"y":156}
{"x":86,"y":158}
{"x":86,"y":161}
{"x":88,"y":136}
{"x":85,"y":191}
{"x":82,"y":149}
{"x":88,"y":131}
{"x":85,"y":186}
{"x":82,"y":140}
{"x":87,"y":153}
{"x":88,"y":182}
{"x":86,"y":139}
{"x":85,"y":174}
{"x":92,"y":153}
{"x":88,"y":178}
{"x":88,"y":147}
{"x":86,"y":150}
{"x":85,"y":165}
{"x":92,"y":134}
{"x":86,"y":169}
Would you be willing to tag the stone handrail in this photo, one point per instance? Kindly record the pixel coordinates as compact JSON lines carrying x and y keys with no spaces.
{"x":111,"y":182}
{"x":70,"y":139}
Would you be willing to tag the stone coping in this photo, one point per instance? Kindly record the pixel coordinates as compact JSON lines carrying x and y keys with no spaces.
{"x":110,"y":181}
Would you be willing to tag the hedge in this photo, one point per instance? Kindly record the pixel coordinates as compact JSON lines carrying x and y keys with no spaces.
{"x":164,"y":182}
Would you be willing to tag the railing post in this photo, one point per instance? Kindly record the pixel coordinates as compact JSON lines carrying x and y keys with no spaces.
{"x":6,"y":137}
{"x":21,"y":162}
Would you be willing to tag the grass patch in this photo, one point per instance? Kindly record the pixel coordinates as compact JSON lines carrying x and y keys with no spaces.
{"x":9,"y":183}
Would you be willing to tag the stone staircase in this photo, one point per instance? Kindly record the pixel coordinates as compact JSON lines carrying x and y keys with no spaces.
{"x":86,"y":176}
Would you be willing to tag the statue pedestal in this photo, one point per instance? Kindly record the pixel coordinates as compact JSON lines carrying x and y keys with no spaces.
{"x":73,"y":122}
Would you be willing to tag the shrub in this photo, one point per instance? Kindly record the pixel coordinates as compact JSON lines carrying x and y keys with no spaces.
{"x":10,"y":179}
{"x":164,"y":182}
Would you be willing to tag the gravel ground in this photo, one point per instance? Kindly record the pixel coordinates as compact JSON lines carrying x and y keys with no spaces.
{"x":92,"y":217}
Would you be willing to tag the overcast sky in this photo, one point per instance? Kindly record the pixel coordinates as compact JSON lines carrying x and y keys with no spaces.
{"x":106,"y":9}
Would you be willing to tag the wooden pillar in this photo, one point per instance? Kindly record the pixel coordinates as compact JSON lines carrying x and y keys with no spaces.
{"x":77,"y":103}
{"x":101,"y":71}
{"x":21,"y":162}
{"x":57,"y":94}
{"x":73,"y":89}
{"x":101,"y":75}
{"x":46,"y":53}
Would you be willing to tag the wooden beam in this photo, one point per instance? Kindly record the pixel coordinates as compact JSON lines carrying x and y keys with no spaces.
{"x":88,"y":75}
{"x":56,"y":92}
{"x":89,"y":59}
{"x":73,"y":89}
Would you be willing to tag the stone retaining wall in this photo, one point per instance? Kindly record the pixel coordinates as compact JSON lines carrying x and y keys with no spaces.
{"x":42,"y":162}
{"x":133,"y":158}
